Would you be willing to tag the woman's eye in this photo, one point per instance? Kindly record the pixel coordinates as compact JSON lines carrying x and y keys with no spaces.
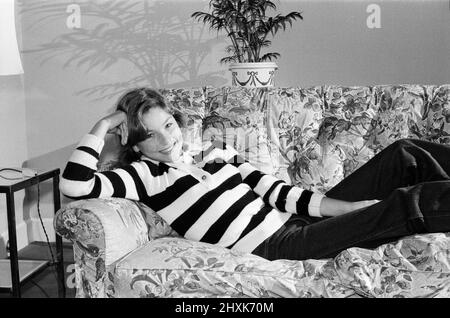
{"x":169,"y":125}
{"x":149,"y":136}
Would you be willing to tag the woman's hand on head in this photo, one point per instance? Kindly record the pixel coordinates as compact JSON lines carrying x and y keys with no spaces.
{"x":114,"y":120}
{"x":115,"y":123}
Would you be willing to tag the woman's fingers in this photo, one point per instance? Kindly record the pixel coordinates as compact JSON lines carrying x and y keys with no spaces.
{"x":115,"y":119}
{"x":366,"y":203}
{"x":114,"y":130}
{"x":123,"y":133}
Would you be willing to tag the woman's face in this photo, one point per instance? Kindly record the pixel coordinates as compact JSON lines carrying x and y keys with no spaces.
{"x":164,"y":138}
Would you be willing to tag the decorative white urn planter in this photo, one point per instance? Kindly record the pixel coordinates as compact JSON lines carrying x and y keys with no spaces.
{"x":260,"y":74}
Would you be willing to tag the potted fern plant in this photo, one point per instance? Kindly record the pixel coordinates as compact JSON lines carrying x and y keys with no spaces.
{"x":248,"y":27}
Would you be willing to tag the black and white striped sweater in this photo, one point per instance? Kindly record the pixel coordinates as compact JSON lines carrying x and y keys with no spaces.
{"x":214,"y":196}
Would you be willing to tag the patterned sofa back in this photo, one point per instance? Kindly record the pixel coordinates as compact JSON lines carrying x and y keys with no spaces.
{"x":312,"y":137}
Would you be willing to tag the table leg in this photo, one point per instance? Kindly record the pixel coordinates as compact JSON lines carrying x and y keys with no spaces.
{"x":59,"y":246}
{"x":13,"y":254}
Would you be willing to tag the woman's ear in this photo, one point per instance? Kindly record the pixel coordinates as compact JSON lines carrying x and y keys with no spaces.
{"x":136,"y":149}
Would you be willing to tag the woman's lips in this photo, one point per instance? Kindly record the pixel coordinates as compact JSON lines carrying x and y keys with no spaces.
{"x":168,"y":150}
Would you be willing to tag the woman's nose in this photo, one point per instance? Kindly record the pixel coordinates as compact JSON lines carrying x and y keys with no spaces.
{"x":165,"y":139}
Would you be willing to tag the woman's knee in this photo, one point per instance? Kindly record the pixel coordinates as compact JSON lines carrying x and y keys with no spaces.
{"x":397,"y":145}
{"x":403,"y":143}
{"x":400,"y":143}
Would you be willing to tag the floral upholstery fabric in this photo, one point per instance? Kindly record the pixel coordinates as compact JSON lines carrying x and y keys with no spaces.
{"x":102,"y":230}
{"x":182,"y":268}
{"x":237,"y":116}
{"x":295,"y":115}
{"x":400,"y":113}
{"x":350,"y":119}
{"x":313,"y":137}
{"x":437,"y":116}
{"x":415,"y":266}
{"x":412,"y":267}
{"x":157,"y":227}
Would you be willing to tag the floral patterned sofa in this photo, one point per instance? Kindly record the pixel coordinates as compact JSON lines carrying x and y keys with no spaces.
{"x":313,"y":137}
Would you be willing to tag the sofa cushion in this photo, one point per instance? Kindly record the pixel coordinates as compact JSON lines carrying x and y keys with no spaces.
{"x":294,"y":118}
{"x":349,"y":121}
{"x":237,"y":116}
{"x":157,"y":227}
{"x":175,"y":267}
{"x":437,"y":116}
{"x":414,"y":266}
{"x":318,"y":167}
{"x":400,"y":112}
{"x":188,"y":101}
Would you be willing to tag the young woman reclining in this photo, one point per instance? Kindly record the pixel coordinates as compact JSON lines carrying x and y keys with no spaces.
{"x":214,"y":195}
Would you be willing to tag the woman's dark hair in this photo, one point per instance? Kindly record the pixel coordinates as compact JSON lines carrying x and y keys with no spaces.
{"x":136,"y":103}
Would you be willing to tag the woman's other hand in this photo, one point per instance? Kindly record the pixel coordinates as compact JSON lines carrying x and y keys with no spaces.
{"x":333,"y":207}
{"x":359,"y":205}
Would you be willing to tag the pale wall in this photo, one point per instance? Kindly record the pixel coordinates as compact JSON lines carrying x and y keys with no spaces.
{"x":332,"y":45}
{"x":13,"y":145}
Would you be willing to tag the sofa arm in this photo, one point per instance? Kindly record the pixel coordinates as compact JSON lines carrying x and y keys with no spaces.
{"x":102,"y":231}
{"x":112,"y":226}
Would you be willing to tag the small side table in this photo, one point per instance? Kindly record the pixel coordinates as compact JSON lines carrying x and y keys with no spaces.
{"x":31,"y":267}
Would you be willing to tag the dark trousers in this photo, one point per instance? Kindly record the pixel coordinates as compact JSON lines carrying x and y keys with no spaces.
{"x":411,"y":177}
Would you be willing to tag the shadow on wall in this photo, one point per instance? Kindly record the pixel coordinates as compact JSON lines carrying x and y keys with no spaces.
{"x":166,"y":47}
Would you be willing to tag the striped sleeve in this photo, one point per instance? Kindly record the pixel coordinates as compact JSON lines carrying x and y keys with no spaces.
{"x":80,"y":179}
{"x":276,"y":192}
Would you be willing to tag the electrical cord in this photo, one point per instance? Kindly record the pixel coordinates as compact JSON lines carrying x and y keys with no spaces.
{"x":11,"y":169}
{"x":40,"y":288}
{"x":43,"y":227}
